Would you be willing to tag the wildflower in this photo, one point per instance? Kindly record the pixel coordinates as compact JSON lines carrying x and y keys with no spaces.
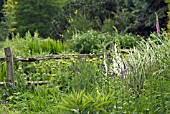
{"x":132,"y":68}
{"x":113,"y":74}
{"x":70,"y":20}
{"x":123,"y":70}
{"x":76,"y":11}
{"x":7,"y":101}
{"x":101,"y":66}
{"x":94,"y":59}
{"x":68,"y":31}
{"x":115,"y":67}
{"x":63,"y":62}
{"x":157,"y":25}
{"x":101,"y":56}
{"x":90,"y":60}
{"x":61,"y":35}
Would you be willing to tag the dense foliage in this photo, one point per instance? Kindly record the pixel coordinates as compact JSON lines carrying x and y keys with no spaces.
{"x":54,"y":18}
{"x":128,"y":15}
{"x":7,"y":19}
{"x":131,"y":76}
{"x":137,"y":83}
{"x":94,"y":42}
{"x":1,"y":5}
{"x":31,"y":15}
{"x":42,"y":13}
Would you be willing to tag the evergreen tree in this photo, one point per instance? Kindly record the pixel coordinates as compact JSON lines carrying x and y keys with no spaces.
{"x":35,"y":15}
{"x":7,"y":23}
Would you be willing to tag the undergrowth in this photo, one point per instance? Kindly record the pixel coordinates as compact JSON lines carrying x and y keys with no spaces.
{"x":137,"y":82}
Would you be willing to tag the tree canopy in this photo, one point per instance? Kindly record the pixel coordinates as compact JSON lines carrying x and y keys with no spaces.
{"x":1,"y":5}
{"x":51,"y":17}
{"x":32,"y":15}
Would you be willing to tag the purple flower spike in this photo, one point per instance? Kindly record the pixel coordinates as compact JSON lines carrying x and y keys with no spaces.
{"x":132,"y":68}
{"x":157,"y":25}
{"x":125,"y":70}
{"x":113,"y":74}
{"x":7,"y":101}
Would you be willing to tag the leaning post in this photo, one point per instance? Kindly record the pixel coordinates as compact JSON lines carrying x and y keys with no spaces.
{"x":9,"y":61}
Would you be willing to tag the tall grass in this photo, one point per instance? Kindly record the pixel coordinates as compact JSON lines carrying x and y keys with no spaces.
{"x":150,"y":61}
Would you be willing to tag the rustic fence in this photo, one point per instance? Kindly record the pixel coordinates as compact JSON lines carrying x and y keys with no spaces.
{"x":10,"y":60}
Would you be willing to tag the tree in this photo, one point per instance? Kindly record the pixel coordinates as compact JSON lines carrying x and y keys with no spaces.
{"x":35,"y":15}
{"x":7,"y":23}
{"x":1,"y":5}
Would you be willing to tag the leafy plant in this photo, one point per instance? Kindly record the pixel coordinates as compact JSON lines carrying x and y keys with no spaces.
{"x":3,"y":72}
{"x":33,"y":45}
{"x":4,"y":109}
{"x":81,"y":103}
{"x":92,"y":40}
{"x":89,"y":41}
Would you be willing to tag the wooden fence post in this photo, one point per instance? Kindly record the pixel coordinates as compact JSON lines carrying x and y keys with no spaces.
{"x":9,"y":60}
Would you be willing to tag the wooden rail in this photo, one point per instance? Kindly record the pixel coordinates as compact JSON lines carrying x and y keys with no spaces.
{"x":65,"y":56}
{"x":9,"y":60}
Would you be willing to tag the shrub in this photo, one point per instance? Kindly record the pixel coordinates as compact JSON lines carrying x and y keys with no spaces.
{"x":89,"y":41}
{"x":128,"y":40}
{"x":92,"y":41}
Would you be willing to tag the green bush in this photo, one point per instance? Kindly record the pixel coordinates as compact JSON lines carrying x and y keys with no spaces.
{"x":89,"y":41}
{"x":128,"y":40}
{"x":96,"y":41}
